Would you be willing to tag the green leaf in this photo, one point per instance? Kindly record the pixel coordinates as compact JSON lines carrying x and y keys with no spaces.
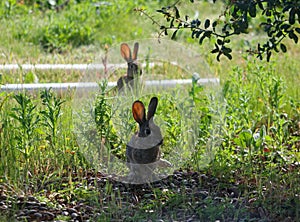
{"x":292,"y":16}
{"x":286,"y":8}
{"x":207,"y":34}
{"x":279,"y":34}
{"x":220,"y":42}
{"x":177,"y":15}
{"x":283,"y":47}
{"x":259,"y":56}
{"x":293,"y":36}
{"x":260,"y":5}
{"x":216,"y":49}
{"x":218,"y":56}
{"x":172,"y":23}
{"x":207,"y":23}
{"x":285,"y":27}
{"x":174,"y":34}
{"x":244,"y":139}
{"x":263,"y":131}
{"x":214,"y":24}
{"x":252,"y":10}
{"x":229,"y":56}
{"x":201,"y":39}
{"x":226,"y":50}
{"x":197,"y":33}
{"x":269,"y":53}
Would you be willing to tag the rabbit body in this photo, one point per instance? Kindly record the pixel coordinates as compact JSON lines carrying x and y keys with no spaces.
{"x":142,"y":156}
{"x":132,"y":69}
{"x":145,"y":150}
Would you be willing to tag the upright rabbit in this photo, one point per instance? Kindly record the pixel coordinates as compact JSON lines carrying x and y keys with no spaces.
{"x":132,"y":69}
{"x":143,"y":150}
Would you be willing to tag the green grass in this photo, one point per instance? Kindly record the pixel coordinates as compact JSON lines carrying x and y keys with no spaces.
{"x":254,"y":115}
{"x":259,"y":148}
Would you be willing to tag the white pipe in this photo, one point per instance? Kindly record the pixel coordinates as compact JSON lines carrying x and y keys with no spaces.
{"x":91,"y":85}
{"x":80,"y":67}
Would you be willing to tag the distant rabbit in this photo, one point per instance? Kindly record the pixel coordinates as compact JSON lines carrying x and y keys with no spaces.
{"x":143,"y":150}
{"x":133,"y":69}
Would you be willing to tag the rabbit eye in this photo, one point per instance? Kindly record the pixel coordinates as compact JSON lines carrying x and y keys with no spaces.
{"x":147,"y":131}
{"x":133,"y":67}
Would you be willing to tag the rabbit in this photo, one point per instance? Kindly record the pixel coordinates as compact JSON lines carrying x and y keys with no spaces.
{"x":143,"y":149}
{"x":133,"y":69}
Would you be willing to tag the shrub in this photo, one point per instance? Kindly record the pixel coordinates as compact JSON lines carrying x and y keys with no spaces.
{"x":72,"y":30}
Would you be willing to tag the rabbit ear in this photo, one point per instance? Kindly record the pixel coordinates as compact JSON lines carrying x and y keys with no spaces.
{"x":152,"y":107}
{"x":138,"y":111}
{"x":125,"y":52}
{"x":135,"y":51}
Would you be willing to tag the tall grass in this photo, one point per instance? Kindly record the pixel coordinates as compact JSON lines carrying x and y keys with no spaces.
{"x":35,"y":141}
{"x":257,"y":132}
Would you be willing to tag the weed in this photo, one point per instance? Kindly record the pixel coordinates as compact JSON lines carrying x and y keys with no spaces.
{"x":51,"y":114}
{"x":28,"y":120}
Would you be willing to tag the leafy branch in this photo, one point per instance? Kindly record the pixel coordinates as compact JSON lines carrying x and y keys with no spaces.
{"x":279,"y":18}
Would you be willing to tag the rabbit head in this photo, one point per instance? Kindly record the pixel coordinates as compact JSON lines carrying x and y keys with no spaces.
{"x":144,"y":145}
{"x":139,"y":114}
{"x":131,"y":59}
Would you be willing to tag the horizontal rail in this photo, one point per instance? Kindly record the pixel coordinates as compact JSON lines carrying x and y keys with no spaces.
{"x":94,"y":85}
{"x":79,"y":67}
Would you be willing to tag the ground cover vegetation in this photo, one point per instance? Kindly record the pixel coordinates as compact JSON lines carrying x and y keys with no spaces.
{"x":44,"y":175}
